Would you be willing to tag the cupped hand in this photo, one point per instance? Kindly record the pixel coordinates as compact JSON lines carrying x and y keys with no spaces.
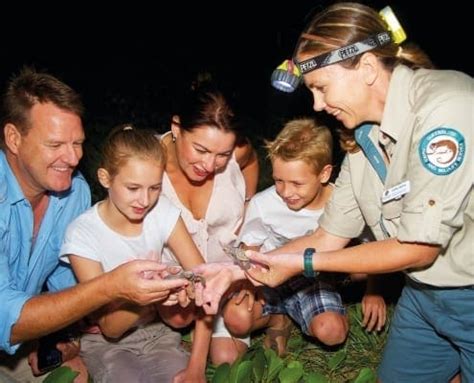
{"x":209,"y":296}
{"x":211,"y":269}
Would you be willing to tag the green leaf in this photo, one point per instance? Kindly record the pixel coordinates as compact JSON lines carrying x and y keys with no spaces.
{"x":61,"y":375}
{"x":337,"y":359}
{"x":359,"y":313}
{"x":366,"y":375}
{"x":275,"y":364}
{"x":292,"y":373}
{"x":186,"y":337}
{"x":221,"y":374}
{"x":316,"y":377}
{"x":259,"y":365}
{"x":241,"y":372}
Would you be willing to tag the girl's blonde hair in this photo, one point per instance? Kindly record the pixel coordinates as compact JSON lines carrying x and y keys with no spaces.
{"x":124,"y":142}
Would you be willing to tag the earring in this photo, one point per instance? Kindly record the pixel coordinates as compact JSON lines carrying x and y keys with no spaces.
{"x":173,"y":138}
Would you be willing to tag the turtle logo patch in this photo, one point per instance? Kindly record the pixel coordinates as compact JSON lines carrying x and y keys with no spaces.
{"x":442,"y":150}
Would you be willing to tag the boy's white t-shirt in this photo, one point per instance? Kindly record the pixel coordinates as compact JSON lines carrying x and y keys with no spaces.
{"x":269,"y":222}
{"x":89,"y":237}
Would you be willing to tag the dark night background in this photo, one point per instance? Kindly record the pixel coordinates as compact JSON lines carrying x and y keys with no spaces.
{"x":136,"y":55}
{"x":131,"y":63}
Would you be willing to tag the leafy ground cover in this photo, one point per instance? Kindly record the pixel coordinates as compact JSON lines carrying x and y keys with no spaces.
{"x":356,"y":361}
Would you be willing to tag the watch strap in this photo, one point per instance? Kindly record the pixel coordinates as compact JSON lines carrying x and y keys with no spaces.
{"x":308,"y":263}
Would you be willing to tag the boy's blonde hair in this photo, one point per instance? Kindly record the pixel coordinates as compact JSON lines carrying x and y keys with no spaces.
{"x":302,"y":139}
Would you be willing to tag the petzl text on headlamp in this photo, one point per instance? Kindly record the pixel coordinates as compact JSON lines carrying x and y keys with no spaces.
{"x":282,"y":79}
{"x":344,"y":53}
{"x":287,"y":80}
{"x":286,"y":77}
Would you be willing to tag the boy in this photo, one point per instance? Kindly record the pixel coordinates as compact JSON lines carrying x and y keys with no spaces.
{"x":301,"y":157}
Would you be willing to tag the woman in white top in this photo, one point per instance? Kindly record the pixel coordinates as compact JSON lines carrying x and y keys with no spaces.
{"x":211,"y":172}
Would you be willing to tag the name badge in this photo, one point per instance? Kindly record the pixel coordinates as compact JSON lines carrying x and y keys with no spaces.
{"x":397,"y":192}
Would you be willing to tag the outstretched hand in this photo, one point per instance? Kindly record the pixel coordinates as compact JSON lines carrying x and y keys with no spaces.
{"x":209,"y":296}
{"x":273,"y":270}
{"x":211,"y":269}
{"x":140,"y":281}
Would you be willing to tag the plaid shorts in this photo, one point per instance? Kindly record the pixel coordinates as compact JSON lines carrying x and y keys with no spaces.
{"x":302,"y":299}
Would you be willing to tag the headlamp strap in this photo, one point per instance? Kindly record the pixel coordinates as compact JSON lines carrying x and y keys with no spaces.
{"x":344,"y":53}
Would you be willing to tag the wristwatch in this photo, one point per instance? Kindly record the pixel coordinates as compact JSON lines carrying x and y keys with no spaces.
{"x":308,"y":263}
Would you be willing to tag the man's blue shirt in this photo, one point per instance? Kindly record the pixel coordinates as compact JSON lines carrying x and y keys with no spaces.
{"x":25,"y":266}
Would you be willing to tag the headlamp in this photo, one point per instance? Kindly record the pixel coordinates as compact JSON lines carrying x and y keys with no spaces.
{"x":287,"y":76}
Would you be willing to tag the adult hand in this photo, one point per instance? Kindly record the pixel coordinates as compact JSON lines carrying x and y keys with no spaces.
{"x":375,"y":312}
{"x":209,"y":296}
{"x":139,"y":281}
{"x":180,"y":297}
{"x":69,"y":350}
{"x":273,"y":270}
{"x":211,"y":269}
{"x":33,"y":362}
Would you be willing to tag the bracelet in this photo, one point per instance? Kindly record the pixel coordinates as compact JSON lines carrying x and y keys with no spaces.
{"x":247,"y":199}
{"x":308,"y":263}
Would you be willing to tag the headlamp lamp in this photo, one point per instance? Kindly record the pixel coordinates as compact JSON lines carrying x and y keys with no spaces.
{"x":287,"y":76}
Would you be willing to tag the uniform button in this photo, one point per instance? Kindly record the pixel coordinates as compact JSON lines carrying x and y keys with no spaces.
{"x":431,"y":202}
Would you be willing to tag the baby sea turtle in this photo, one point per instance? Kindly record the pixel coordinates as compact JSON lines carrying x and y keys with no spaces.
{"x":238,"y":255}
{"x":191,"y":277}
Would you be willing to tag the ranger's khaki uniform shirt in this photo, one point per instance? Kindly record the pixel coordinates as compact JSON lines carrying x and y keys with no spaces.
{"x":427,"y":131}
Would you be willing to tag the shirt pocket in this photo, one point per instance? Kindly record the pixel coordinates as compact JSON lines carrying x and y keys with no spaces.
{"x":392,"y":210}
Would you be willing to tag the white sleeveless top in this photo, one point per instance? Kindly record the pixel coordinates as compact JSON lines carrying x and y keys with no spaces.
{"x":223,"y":216}
{"x":88,"y":236}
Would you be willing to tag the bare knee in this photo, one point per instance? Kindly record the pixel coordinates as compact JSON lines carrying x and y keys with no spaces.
{"x":329,"y":328}
{"x":226,"y":350}
{"x":176,"y":318}
{"x":238,"y":319}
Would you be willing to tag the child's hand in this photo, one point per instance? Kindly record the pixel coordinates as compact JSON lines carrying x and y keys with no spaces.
{"x":375,"y":312}
{"x":243,"y":290}
{"x":188,"y":376}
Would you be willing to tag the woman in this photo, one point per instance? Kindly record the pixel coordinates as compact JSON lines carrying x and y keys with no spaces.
{"x":411,"y":184}
{"x":211,"y":173}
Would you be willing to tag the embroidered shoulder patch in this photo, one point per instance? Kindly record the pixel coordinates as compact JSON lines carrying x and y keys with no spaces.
{"x":442,"y":150}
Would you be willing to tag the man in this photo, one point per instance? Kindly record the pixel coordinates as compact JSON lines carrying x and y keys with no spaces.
{"x":40,"y":194}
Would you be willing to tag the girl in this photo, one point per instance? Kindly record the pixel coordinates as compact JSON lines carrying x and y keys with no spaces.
{"x":133,"y":222}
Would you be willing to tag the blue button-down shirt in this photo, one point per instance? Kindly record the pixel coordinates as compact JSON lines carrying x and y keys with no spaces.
{"x":25,"y":266}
